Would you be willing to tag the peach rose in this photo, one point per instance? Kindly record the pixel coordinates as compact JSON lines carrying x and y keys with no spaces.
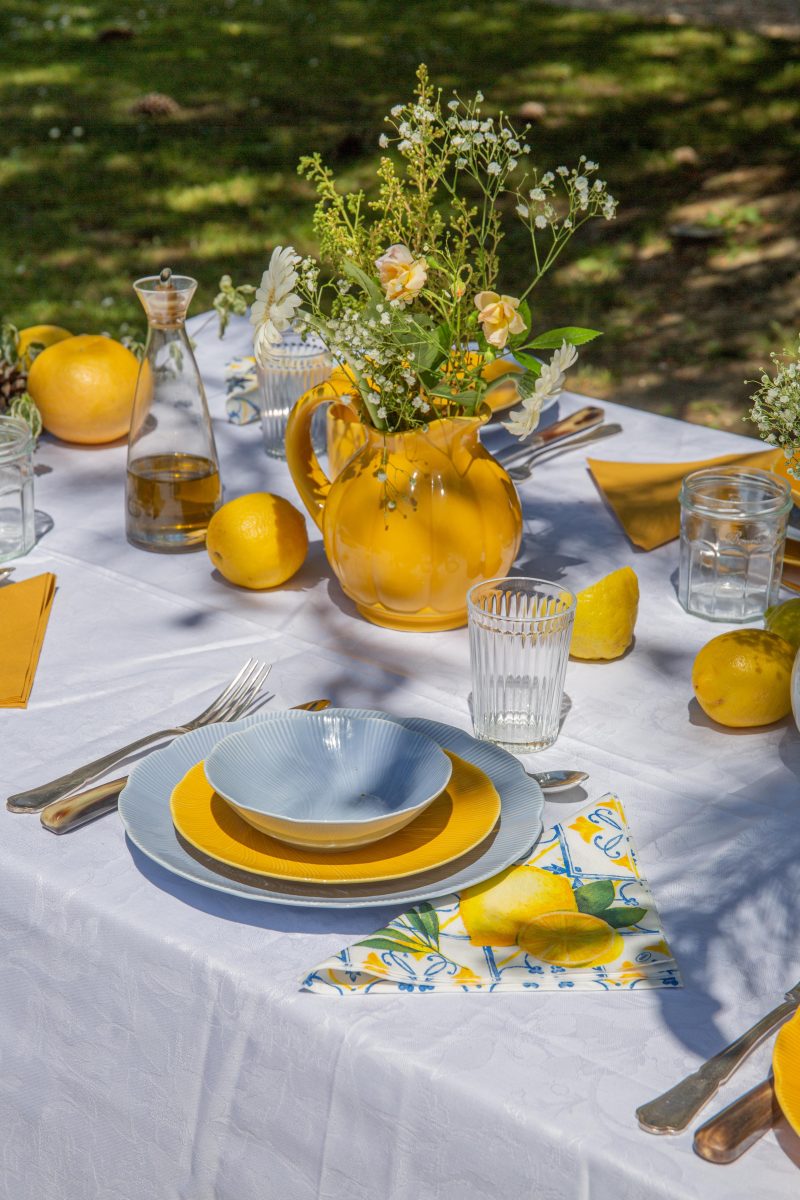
{"x":499,"y":317}
{"x":402,"y":276}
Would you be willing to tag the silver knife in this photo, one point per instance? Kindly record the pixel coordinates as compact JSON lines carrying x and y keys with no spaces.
{"x":673,"y":1111}
{"x":64,"y":815}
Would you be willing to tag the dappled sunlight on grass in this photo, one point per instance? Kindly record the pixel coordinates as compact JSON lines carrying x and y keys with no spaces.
{"x":95,"y":193}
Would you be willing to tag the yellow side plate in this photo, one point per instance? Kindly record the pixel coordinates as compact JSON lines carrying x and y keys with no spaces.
{"x":786,"y":1069}
{"x":457,"y":821}
{"x":502,"y":395}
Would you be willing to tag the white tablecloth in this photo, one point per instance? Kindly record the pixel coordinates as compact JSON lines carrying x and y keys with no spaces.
{"x":154,"y":1042}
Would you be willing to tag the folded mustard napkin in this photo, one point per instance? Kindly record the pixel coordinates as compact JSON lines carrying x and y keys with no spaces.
{"x":576,"y":914}
{"x":644,"y":496}
{"x":24,"y":611}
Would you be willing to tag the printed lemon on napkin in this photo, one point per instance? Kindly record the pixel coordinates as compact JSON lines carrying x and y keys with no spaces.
{"x":24,"y":611}
{"x":577,"y":914}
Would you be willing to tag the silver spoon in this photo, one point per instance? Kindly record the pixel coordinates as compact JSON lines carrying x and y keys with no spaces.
{"x":5,"y":572}
{"x":558,"y":781}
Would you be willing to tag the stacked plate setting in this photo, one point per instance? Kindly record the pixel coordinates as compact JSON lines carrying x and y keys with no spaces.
{"x":343,"y":808}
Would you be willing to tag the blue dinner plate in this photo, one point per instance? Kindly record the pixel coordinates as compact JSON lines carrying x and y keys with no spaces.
{"x":145,"y":811}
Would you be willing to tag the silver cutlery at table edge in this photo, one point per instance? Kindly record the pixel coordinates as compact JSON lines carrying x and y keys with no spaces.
{"x":736,"y":1128}
{"x":242,"y":696}
{"x":575,"y":423}
{"x":74,"y":811}
{"x":674,"y":1110}
{"x":523,"y":469}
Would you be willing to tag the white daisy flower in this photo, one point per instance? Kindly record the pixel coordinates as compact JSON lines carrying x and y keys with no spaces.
{"x":275,"y":302}
{"x":549,"y":384}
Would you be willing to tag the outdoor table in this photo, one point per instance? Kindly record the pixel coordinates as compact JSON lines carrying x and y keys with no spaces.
{"x":155,"y":1041}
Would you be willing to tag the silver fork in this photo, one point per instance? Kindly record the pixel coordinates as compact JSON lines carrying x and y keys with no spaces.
{"x":241,"y":694}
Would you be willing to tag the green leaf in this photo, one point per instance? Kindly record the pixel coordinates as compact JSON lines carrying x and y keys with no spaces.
{"x":379,"y":943}
{"x":570,"y":333}
{"x":24,"y":408}
{"x":425,"y":920}
{"x":526,"y":383}
{"x":364,"y":282}
{"x":594,"y":897}
{"x":623,"y":914}
{"x":9,"y":343}
{"x":529,"y":362}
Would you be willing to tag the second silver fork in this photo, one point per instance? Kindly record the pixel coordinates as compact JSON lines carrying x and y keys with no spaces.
{"x":239,"y":696}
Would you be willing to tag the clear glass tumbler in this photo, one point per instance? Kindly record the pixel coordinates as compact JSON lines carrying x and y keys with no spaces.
{"x":294,"y":367}
{"x":733,"y":530}
{"x":519,"y":636}
{"x":17,"y":525}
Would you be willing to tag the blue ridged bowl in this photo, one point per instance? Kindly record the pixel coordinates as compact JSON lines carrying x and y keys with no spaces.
{"x":331,"y":782}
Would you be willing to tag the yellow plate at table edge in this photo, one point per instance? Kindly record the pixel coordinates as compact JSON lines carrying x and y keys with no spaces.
{"x":455,"y":823}
{"x":786,"y":1070}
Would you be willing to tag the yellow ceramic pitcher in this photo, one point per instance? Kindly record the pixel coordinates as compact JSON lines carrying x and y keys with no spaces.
{"x":412,"y":520}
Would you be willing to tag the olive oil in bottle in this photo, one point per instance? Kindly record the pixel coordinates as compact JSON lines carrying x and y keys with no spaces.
{"x":173,"y":485}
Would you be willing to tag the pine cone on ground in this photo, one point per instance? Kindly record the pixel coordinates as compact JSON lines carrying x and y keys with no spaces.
{"x":155,"y":104}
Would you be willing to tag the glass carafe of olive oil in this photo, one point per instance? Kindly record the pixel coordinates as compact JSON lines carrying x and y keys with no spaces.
{"x":173,"y":485}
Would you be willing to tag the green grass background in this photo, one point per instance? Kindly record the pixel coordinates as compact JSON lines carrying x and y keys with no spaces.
{"x":93,"y":196}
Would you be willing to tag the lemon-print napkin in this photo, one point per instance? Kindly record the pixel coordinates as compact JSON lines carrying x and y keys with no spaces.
{"x":242,"y":402}
{"x":576,"y":914}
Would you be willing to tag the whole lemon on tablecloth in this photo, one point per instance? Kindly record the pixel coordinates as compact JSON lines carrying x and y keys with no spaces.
{"x":605,"y":616}
{"x":40,"y":335}
{"x":571,"y":939}
{"x":784,"y":619}
{"x":743,"y":678}
{"x":83,"y":387}
{"x":494,"y":912}
{"x":257,"y":541}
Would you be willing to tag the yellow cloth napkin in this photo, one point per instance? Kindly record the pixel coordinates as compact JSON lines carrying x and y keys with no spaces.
{"x":644,"y":496}
{"x":594,"y":926}
{"x":24,"y":611}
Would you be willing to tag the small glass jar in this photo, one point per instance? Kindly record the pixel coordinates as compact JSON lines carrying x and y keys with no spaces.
{"x":733,"y":530}
{"x":294,"y":367}
{"x":17,"y":524}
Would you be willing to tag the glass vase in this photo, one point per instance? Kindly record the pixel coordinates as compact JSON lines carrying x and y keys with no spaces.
{"x":173,"y":484}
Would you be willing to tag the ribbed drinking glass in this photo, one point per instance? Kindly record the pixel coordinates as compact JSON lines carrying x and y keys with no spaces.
{"x":519,"y":636}
{"x":294,"y":367}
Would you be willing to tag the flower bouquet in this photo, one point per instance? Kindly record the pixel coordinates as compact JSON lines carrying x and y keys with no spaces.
{"x":412,"y":310}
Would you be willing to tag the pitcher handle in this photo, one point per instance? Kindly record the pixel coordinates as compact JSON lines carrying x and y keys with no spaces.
{"x":309,"y":478}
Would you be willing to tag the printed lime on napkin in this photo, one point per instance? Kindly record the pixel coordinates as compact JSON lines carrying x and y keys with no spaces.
{"x":576,"y":914}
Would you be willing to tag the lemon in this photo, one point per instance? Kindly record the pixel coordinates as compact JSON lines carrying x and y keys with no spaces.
{"x":784,"y":619}
{"x":39,"y":335}
{"x":495,"y":911}
{"x":743,"y":678}
{"x":257,"y":541}
{"x":605,"y":616}
{"x":84,"y":388}
{"x":571,"y":939}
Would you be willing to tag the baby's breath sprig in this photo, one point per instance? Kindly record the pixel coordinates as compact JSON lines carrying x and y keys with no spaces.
{"x":776,"y":407}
